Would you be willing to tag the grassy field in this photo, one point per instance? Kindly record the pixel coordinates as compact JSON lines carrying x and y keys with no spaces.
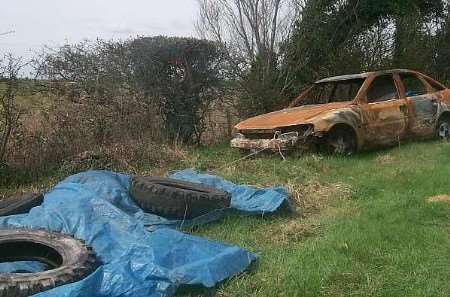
{"x":363,"y":227}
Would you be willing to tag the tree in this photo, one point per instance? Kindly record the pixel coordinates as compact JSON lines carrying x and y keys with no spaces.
{"x":183,"y":76}
{"x":335,"y":36}
{"x":441,"y":65}
{"x":10,"y":68}
{"x":252,"y":33}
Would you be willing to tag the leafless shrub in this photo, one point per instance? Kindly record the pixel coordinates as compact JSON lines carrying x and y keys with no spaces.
{"x":10,"y":68}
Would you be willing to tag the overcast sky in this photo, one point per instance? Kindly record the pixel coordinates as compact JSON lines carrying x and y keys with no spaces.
{"x":55,"y":22}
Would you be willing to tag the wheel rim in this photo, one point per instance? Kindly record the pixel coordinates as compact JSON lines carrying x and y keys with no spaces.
{"x":341,"y":145}
{"x":444,"y":131}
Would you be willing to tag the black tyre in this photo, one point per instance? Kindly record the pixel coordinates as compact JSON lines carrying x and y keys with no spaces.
{"x":68,"y":260}
{"x":176,"y":199}
{"x":341,"y":141}
{"x":443,"y":129}
{"x":20,"y":204}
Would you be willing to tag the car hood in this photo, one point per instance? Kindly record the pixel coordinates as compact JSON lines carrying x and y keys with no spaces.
{"x":289,"y":116}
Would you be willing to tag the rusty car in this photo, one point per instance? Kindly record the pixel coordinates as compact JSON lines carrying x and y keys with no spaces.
{"x":349,"y":113}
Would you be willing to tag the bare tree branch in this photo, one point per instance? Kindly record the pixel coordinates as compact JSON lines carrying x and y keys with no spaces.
{"x":258,"y":26}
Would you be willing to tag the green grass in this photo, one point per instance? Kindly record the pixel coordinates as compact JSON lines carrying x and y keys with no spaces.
{"x":384,"y":239}
{"x":365,"y":227}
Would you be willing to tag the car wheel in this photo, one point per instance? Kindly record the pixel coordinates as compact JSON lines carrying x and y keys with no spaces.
{"x":341,"y":141}
{"x":443,"y":129}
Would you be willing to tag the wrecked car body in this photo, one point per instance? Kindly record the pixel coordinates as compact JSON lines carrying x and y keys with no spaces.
{"x":345,"y":114}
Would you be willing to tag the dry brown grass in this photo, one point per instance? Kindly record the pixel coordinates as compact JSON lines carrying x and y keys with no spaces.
{"x":385,"y":159}
{"x":312,"y":197}
{"x":128,"y":156}
{"x":33,"y":188}
{"x":439,"y":199}
{"x":295,"y":230}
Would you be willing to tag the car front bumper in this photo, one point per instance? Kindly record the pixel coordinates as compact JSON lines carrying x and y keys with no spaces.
{"x":281,"y":142}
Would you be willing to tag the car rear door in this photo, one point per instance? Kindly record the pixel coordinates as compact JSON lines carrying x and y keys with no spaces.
{"x":384,"y":113}
{"x":422,"y":105}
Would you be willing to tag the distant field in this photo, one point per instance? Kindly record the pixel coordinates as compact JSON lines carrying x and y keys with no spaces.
{"x":364,"y":227}
{"x":28,"y":102}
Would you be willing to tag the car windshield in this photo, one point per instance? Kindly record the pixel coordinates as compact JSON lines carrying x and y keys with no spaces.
{"x":333,"y":91}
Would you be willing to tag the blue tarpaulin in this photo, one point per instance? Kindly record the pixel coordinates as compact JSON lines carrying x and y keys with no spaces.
{"x":95,"y":206}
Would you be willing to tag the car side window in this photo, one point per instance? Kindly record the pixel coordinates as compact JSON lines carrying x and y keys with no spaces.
{"x":382,"y":89}
{"x":413,"y":85}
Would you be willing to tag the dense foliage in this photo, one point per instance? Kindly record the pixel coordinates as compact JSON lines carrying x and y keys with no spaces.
{"x":183,"y":76}
{"x":338,"y":37}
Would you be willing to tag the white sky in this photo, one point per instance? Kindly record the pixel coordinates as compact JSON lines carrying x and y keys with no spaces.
{"x":55,"y":22}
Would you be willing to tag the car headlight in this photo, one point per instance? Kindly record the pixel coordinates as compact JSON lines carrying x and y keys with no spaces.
{"x":288,"y":136}
{"x":239,"y":136}
{"x":303,"y":130}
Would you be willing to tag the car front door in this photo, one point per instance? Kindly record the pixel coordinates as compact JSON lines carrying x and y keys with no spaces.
{"x":422,"y":105}
{"x":384,"y":113}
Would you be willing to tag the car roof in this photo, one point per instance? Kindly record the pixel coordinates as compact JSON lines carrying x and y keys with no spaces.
{"x":362,"y":75}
